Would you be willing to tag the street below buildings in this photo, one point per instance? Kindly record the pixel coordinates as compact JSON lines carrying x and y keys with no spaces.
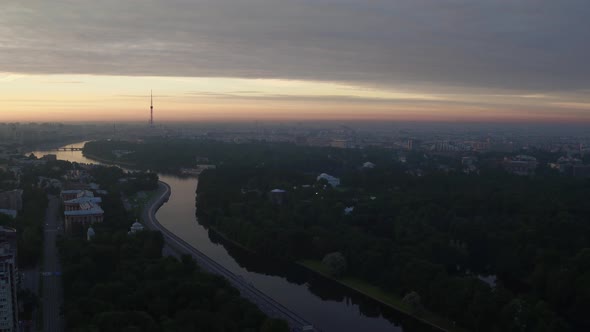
{"x":52,"y":297}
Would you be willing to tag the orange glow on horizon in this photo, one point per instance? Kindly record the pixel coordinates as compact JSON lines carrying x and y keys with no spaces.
{"x":85,"y":98}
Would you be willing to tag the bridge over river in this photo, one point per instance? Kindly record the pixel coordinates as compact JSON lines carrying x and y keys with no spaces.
{"x":266,"y":304}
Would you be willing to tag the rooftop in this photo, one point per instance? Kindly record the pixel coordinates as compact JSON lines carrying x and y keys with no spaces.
{"x":84,"y":199}
{"x":95,"y":210}
{"x":11,"y":213}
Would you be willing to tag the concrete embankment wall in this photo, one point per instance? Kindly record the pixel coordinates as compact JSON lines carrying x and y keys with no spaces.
{"x":266,"y":304}
{"x":162,"y":199}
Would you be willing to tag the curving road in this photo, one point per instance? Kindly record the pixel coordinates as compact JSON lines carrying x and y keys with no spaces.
{"x":248,"y":291}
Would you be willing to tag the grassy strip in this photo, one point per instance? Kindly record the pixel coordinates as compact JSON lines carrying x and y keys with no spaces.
{"x":371,"y":291}
{"x":383,"y":297}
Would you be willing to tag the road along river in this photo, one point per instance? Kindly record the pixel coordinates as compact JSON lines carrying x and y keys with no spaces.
{"x":247,"y":290}
{"x":327,"y":305}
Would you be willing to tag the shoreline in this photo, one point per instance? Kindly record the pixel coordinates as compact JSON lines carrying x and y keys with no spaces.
{"x":225,"y":238}
{"x":265,"y":304}
{"x":129,"y":166}
{"x":162,"y":195}
{"x":344,"y":284}
{"x":108,"y":161}
{"x":392,"y":306}
{"x":53,"y":145}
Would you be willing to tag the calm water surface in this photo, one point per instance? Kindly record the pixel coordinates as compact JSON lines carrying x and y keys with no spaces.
{"x":329,"y":306}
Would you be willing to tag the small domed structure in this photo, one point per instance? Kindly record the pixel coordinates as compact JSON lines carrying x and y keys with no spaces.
{"x":277,"y":196}
{"x":136,"y":227}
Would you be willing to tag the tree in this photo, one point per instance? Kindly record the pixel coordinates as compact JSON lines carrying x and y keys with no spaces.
{"x":336,"y":264}
{"x":414,"y":302}
{"x":274,"y":325}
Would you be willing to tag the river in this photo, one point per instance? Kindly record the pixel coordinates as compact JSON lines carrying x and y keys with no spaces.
{"x":328,"y":305}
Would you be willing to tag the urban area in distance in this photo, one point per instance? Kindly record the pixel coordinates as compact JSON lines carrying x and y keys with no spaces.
{"x":294,"y":166}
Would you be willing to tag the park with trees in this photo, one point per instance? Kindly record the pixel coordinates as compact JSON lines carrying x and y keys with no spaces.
{"x":121,"y":282}
{"x":488,"y":251}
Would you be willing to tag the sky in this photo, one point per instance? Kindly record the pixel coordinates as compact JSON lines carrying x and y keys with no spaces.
{"x":431,"y":60}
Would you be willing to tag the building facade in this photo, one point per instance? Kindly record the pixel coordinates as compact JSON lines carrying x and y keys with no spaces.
{"x":521,"y":165}
{"x":81,"y":210}
{"x":8,"y":280}
{"x":11,"y":200}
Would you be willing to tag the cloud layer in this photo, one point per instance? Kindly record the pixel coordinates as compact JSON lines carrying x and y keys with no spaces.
{"x":525,"y":45}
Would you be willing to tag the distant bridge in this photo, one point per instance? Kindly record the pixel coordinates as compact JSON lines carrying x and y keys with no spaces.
{"x":68,"y":149}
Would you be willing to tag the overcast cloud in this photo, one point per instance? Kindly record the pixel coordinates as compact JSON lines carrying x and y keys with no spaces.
{"x":527,"y":45}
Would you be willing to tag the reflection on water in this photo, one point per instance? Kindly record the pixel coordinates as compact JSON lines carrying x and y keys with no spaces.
{"x":325,"y":303}
{"x":328,"y":305}
{"x":73,"y":156}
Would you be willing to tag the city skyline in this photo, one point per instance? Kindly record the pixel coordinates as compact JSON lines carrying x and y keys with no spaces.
{"x":284,"y":60}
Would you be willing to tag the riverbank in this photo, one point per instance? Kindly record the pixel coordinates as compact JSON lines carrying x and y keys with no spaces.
{"x":28,"y":148}
{"x":108,"y":161}
{"x":132,"y":166}
{"x":377,"y":294}
{"x":228,"y":240}
{"x":366,"y":289}
{"x":330,"y":306}
{"x":265,"y":304}
{"x":359,"y":286}
{"x":159,"y":197}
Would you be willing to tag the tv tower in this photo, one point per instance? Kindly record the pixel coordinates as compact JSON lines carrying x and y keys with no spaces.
{"x":151,"y":109}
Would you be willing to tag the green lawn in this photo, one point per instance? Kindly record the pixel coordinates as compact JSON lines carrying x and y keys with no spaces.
{"x":380,"y":295}
{"x":359,"y":285}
